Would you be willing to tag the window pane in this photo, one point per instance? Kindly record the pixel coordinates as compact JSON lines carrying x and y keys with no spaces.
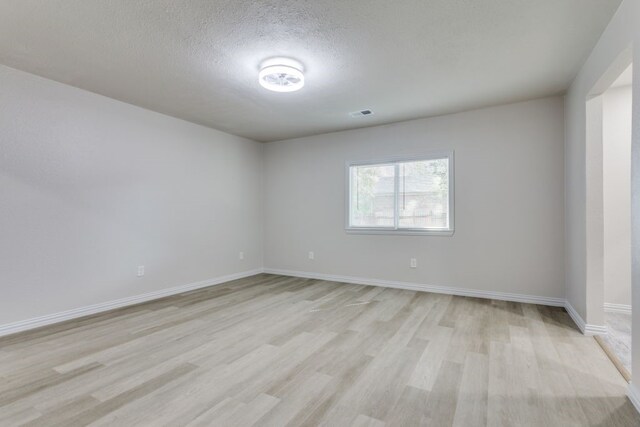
{"x":423,"y":198}
{"x":372,"y":196}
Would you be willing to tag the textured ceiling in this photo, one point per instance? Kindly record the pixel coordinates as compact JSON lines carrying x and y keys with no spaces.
{"x":198,"y":59}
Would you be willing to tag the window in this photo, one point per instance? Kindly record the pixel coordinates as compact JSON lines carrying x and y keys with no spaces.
{"x":406,"y":196}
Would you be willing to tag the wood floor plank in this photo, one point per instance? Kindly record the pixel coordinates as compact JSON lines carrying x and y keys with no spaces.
{"x":274,"y":350}
{"x":473,"y":393}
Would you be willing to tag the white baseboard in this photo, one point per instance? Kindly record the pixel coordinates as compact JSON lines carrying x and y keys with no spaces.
{"x":49,"y":319}
{"x":617,"y":308}
{"x":584,"y":327}
{"x":530,"y":299}
{"x":634,"y":396}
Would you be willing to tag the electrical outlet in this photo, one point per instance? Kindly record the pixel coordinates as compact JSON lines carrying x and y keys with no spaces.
{"x":140,"y":270}
{"x":312,"y":255}
{"x":241,"y":256}
{"x":413,"y":263}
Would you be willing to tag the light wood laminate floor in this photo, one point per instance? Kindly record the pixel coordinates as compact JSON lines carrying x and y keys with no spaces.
{"x":274,"y":351}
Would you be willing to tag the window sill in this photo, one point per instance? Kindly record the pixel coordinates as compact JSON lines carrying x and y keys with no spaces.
{"x":403,"y":232}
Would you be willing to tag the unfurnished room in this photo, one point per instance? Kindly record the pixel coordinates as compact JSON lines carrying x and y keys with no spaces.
{"x":319,"y":213}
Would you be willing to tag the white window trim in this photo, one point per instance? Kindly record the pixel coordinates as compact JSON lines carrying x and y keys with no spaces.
{"x":394,"y":230}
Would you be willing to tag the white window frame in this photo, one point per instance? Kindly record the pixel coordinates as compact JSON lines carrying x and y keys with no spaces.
{"x":395,"y":161}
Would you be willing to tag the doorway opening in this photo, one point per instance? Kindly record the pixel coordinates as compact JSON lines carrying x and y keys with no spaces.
{"x":609,"y":117}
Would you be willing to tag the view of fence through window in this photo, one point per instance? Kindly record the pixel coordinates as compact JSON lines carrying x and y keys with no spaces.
{"x":421,"y":195}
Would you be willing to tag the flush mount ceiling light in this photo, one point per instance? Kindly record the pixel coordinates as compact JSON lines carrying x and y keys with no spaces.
{"x":281,"y":75}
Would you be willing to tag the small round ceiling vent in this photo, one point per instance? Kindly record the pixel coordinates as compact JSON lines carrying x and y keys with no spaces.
{"x":281,"y":75}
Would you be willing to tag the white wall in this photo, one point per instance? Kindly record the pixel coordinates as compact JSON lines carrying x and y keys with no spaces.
{"x":509,"y":202}
{"x":607,"y":60}
{"x":616,"y":145}
{"x":90,"y":188}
